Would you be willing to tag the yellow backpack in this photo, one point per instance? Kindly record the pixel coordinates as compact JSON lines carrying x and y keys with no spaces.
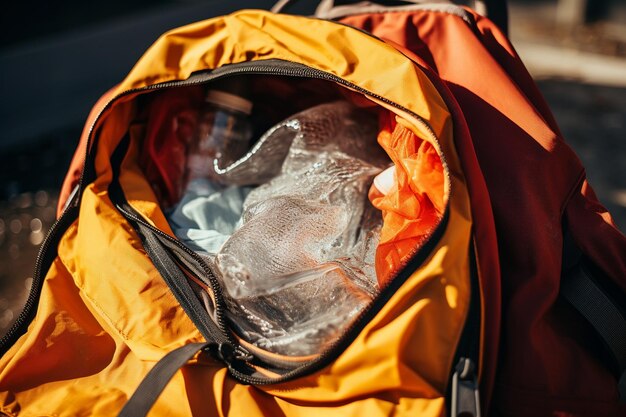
{"x":116,"y":293}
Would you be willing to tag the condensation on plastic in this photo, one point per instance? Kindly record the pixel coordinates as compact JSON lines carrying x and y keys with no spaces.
{"x":315,"y":126}
{"x":302,"y":264}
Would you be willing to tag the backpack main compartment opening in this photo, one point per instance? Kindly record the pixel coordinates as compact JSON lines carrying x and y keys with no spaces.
{"x":410,"y":210}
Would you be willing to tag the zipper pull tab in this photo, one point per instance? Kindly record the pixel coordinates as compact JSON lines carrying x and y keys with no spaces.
{"x":242,"y":354}
{"x":465,"y":393}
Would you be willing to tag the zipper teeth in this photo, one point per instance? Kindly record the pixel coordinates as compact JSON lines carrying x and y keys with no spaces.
{"x":329,"y":354}
{"x":313,"y":73}
{"x":294,"y":69}
{"x":303,"y":71}
{"x":215,"y":285}
{"x":275,"y":67}
{"x":285,"y":68}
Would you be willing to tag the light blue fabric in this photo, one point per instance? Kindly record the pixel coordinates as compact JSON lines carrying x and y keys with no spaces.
{"x":208,"y":214}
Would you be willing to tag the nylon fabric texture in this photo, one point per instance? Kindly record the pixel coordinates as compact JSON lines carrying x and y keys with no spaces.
{"x":106,"y":316}
{"x":537,"y":187}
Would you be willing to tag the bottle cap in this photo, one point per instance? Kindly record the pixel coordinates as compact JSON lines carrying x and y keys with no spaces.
{"x":229,"y":100}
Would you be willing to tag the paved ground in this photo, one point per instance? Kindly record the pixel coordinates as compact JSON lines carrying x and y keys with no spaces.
{"x":582,"y":73}
{"x":593,"y":121}
{"x":29,"y":182}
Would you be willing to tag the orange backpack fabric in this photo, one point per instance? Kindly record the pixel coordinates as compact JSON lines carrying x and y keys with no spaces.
{"x":537,"y":187}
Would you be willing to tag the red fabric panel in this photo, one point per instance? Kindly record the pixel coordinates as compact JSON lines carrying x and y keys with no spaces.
{"x":531,"y":176}
{"x":78,"y":160}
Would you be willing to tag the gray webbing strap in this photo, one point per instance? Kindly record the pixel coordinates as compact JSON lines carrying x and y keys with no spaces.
{"x":154,"y":383}
{"x":607,"y":319}
{"x":496,"y":10}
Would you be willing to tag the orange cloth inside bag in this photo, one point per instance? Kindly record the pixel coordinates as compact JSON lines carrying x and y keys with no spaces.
{"x":414,"y":204}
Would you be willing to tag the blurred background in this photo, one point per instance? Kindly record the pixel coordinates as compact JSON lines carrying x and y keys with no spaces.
{"x":57,"y":58}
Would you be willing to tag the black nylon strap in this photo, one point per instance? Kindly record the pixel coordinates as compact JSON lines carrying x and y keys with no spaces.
{"x":154,"y":383}
{"x":584,"y":294}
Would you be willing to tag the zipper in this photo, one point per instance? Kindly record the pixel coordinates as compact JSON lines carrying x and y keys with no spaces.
{"x":222,"y":344}
{"x":208,"y":278}
{"x":327,"y":356}
{"x":291,"y":69}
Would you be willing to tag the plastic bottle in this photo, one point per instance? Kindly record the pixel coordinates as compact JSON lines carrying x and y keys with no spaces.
{"x":223,"y":132}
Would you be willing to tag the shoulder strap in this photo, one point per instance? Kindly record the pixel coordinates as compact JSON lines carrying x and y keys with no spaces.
{"x":154,"y":383}
{"x":581,"y":288}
